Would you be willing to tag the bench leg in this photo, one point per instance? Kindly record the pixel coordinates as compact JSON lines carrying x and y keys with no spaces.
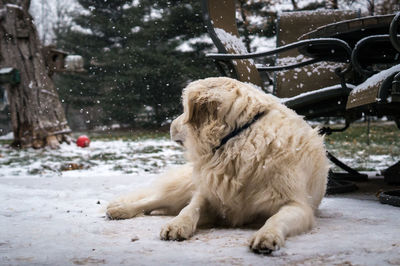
{"x":392,"y":174}
{"x":351,"y":174}
{"x":339,"y":182}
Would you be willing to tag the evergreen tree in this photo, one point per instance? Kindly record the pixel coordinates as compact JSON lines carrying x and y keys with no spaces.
{"x":135,"y":70}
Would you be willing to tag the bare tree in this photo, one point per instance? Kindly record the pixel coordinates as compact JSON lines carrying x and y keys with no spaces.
{"x":332,"y":4}
{"x":41,"y":10}
{"x":294,"y":4}
{"x":242,"y":8}
{"x":386,"y":6}
{"x":62,"y":18}
{"x":371,"y":7}
{"x":44,"y":8}
{"x":37,"y":116}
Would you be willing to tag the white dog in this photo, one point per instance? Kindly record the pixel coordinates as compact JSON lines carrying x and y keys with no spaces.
{"x":251,"y":157}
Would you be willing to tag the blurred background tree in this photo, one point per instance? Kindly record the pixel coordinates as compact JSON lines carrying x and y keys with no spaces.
{"x":136,"y":63}
{"x":139,"y":54}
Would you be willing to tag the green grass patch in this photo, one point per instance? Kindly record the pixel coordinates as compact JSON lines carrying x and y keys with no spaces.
{"x":5,"y":141}
{"x":366,"y":149}
{"x":127,"y":135}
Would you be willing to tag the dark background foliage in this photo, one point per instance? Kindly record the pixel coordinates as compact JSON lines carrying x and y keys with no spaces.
{"x":135,"y":73}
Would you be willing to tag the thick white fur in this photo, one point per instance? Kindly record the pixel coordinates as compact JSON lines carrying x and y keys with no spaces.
{"x":275,"y":170}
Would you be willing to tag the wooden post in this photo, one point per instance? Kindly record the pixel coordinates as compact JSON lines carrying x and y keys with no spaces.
{"x":37,"y":116}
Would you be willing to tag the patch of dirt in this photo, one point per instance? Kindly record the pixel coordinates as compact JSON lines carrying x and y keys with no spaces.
{"x":71,"y":166}
{"x":88,"y":260}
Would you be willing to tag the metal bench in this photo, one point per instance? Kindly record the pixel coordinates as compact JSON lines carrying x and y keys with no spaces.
{"x":329,"y":98}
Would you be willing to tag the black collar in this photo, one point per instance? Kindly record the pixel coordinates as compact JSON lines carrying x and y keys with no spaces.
{"x":237,"y":131}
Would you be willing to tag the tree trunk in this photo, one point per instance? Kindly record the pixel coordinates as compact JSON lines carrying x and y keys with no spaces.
{"x":294,"y":4}
{"x":37,"y":115}
{"x":332,"y":4}
{"x":245,"y":26}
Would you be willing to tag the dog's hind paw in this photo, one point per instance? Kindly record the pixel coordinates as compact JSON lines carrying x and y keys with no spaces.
{"x":264,"y":242}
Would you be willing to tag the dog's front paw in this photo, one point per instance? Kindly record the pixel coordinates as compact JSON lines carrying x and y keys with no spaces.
{"x":266,"y":241}
{"x":117,"y":211}
{"x":176,"y":230}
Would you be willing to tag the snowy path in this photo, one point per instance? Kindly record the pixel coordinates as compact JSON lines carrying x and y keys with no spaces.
{"x":57,"y":220}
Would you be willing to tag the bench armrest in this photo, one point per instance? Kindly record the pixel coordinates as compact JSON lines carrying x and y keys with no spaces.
{"x":330,"y":56}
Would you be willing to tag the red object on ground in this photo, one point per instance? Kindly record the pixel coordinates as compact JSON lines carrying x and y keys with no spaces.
{"x":83,"y":141}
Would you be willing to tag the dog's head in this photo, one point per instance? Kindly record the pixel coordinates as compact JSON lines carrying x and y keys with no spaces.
{"x":213,"y":108}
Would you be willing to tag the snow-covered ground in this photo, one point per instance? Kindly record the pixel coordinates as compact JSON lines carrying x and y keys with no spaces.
{"x":108,"y":157}
{"x":49,"y":216}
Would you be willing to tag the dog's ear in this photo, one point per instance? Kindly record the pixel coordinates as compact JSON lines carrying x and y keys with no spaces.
{"x":199,"y":107}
